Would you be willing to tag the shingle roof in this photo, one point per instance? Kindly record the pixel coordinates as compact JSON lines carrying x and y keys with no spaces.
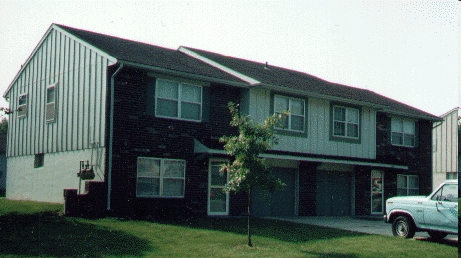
{"x":290,"y":79}
{"x":146,"y":54}
{"x":281,"y":78}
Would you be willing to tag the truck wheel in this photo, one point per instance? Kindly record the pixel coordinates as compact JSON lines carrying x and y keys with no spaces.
{"x":436,"y":235}
{"x":403,"y":227}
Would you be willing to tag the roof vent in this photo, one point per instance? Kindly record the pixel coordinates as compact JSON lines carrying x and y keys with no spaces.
{"x":266,"y":67}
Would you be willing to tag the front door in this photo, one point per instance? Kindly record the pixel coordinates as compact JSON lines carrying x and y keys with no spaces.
{"x":333,"y":196}
{"x":376,"y":192}
{"x":218,"y":199}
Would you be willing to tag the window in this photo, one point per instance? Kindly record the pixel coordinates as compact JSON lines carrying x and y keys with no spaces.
{"x":407,"y":185}
{"x":50,"y":109}
{"x":38,"y":160}
{"x":448,"y":193}
{"x":346,"y":122}
{"x":22,"y":106}
{"x":160,"y":177}
{"x":403,"y":132}
{"x":178,"y":100}
{"x":295,"y":120}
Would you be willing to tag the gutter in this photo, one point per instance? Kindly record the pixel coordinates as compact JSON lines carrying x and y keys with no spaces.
{"x":111,"y":134}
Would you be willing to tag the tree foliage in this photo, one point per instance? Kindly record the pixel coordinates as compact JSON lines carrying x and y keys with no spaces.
{"x":248,"y":169}
{"x":3,"y":125}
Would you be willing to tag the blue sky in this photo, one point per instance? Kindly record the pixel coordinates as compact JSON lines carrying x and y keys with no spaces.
{"x":405,"y":50}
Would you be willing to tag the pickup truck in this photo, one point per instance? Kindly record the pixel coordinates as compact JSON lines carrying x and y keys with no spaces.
{"x":437,"y":214}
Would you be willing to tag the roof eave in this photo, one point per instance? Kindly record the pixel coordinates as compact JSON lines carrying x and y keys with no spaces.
{"x":422,"y":117}
{"x":322,"y":96}
{"x":183,"y":74}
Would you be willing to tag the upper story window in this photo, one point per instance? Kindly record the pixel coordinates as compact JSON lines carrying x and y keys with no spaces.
{"x":403,"y":132}
{"x":295,"y":120}
{"x":346,"y":122}
{"x":160,"y":177}
{"x":178,"y":100}
{"x":50,"y":110}
{"x":22,"y":106}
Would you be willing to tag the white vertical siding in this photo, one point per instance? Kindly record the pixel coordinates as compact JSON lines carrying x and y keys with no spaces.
{"x":318,"y":129}
{"x":445,"y":146}
{"x":80,"y":74}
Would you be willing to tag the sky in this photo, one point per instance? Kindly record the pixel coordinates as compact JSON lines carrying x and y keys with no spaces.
{"x":406,"y":50}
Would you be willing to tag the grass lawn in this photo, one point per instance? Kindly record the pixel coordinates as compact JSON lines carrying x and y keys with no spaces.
{"x":29,"y":229}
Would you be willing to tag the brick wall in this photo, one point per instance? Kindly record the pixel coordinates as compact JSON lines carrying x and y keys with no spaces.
{"x":418,"y":159}
{"x":139,"y":134}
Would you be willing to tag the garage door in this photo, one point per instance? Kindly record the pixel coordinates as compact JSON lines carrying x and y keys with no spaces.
{"x":333,"y":195}
{"x":280,"y":203}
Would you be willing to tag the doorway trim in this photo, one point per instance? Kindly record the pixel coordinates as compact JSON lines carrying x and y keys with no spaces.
{"x":212,"y":164}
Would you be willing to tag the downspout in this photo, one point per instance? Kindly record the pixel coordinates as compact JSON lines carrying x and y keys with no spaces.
{"x":111,"y":134}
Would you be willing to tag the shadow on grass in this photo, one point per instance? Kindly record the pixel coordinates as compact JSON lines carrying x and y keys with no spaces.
{"x":48,"y":234}
{"x":276,"y":229}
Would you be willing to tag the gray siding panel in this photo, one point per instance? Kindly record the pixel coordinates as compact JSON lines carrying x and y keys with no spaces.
{"x":318,"y":129}
{"x":80,"y":94}
{"x":445,"y":144}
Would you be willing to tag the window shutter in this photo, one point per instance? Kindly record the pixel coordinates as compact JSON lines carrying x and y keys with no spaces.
{"x":206,"y":104}
{"x":150,"y":100}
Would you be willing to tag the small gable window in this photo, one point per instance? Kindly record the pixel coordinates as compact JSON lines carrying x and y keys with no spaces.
{"x":295,"y":120}
{"x":346,"y":122}
{"x":50,"y":110}
{"x":178,"y":100}
{"x":403,"y":132}
{"x":22,"y":106}
{"x":39,"y":160}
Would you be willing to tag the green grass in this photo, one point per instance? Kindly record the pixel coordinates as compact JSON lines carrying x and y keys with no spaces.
{"x":29,"y":229}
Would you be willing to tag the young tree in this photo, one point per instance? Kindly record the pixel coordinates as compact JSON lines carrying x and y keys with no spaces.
{"x":248,"y":170}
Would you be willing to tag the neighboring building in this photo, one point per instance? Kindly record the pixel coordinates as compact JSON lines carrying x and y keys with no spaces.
{"x":2,"y":164}
{"x":445,"y":148}
{"x":148,"y":120}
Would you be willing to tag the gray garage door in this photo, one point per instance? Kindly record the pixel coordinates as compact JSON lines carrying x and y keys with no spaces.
{"x":333,"y":196}
{"x":280,"y":203}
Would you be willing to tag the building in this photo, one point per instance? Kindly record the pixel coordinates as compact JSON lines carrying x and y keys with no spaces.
{"x":445,"y":148}
{"x":2,"y":164}
{"x":146,"y":120}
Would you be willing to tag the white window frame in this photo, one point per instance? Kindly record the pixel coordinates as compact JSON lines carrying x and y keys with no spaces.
{"x":347,"y":110}
{"x":407,"y":187}
{"x":161,"y":178}
{"x":22,"y":108}
{"x":51,"y":104}
{"x":290,"y":99}
{"x":401,"y":131}
{"x":178,"y":100}
{"x":209,"y":212}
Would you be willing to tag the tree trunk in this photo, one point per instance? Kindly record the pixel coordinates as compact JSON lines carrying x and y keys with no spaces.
{"x":249,"y":215}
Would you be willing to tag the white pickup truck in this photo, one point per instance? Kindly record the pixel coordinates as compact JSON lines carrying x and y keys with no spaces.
{"x":437,"y":213}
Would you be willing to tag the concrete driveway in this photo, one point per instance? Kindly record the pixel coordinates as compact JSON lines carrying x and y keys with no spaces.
{"x":369,"y":225}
